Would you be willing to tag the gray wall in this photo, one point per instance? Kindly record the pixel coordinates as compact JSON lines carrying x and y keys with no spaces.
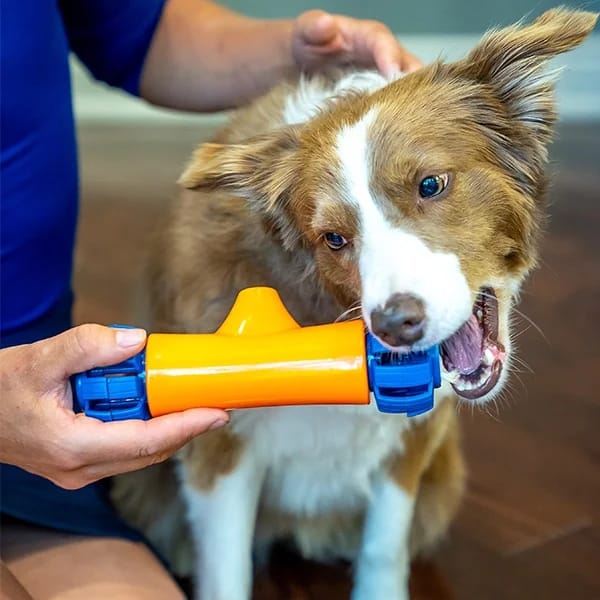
{"x":429,"y":28}
{"x":416,"y":16}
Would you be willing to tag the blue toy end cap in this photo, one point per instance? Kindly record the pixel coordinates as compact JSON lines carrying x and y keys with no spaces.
{"x":402,"y":383}
{"x":113,"y":393}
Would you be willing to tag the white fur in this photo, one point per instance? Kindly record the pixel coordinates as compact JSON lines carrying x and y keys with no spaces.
{"x":311,"y":95}
{"x":393,"y":260}
{"x":383,"y":565}
{"x":222,"y":528}
{"x":529,"y":88}
{"x":321,"y":458}
{"x":307,"y":461}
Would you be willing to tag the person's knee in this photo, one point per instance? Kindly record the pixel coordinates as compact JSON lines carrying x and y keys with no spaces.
{"x":10,"y":587}
{"x":60,"y":566}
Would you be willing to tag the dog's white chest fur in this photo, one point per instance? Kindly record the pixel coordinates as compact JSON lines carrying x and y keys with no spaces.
{"x":320,"y":458}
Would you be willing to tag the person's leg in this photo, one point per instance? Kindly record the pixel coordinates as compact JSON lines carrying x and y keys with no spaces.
{"x":10,"y":586}
{"x":60,"y":566}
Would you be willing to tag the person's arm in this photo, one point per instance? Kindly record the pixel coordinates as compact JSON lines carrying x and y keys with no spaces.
{"x":39,"y":431}
{"x":205,"y":57}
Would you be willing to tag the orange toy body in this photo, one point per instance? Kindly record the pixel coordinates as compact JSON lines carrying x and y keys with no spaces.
{"x":260,"y":356}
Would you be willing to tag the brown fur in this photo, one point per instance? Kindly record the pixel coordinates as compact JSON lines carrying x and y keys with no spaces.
{"x":432,"y":469}
{"x":211,"y":455}
{"x":262,"y":195}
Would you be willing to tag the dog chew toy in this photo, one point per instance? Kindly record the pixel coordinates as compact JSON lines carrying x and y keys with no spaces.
{"x":260,"y":356}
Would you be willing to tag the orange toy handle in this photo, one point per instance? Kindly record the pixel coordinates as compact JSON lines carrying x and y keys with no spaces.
{"x":260,"y":356}
{"x":295,"y":367}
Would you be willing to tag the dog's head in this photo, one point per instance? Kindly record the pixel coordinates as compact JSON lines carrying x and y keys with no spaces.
{"x":422,"y":200}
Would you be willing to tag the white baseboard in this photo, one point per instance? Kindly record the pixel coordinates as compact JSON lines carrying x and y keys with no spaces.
{"x":578,"y":91}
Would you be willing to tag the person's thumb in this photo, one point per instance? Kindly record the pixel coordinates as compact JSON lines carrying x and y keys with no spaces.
{"x":317,"y":28}
{"x":88,"y":346}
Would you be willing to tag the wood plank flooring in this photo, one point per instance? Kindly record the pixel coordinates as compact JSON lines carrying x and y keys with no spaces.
{"x":529,"y":525}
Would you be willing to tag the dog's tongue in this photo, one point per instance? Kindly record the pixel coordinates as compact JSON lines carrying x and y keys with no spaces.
{"x":465,"y":346}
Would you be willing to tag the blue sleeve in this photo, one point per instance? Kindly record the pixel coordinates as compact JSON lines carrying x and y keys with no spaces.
{"x":112,"y":37}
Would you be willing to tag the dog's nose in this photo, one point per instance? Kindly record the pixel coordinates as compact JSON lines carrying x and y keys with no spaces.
{"x":401,"y":321}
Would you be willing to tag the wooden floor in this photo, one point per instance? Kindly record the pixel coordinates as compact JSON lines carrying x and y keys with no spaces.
{"x":529,"y":526}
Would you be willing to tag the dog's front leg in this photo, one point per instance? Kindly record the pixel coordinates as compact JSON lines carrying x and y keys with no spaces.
{"x":222,"y":520}
{"x":383,"y":564}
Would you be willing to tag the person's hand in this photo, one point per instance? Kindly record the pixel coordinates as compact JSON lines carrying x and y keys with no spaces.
{"x":320,"y":38}
{"x":39,"y":431}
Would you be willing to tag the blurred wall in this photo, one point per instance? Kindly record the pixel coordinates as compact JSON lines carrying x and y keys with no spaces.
{"x":416,"y":16}
{"x":429,"y":28}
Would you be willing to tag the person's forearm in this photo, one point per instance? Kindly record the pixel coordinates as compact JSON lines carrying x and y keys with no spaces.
{"x":204,"y":57}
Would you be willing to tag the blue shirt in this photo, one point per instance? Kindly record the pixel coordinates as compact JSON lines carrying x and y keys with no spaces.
{"x":38,"y":198}
{"x":38,"y":152}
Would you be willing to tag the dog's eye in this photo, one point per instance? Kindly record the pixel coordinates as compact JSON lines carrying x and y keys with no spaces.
{"x":335,"y":241}
{"x":433,"y":185}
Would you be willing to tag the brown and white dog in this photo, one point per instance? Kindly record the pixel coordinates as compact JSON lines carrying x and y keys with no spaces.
{"x":415,"y":204}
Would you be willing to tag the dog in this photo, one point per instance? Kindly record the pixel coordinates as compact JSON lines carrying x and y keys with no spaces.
{"x":415,"y":203}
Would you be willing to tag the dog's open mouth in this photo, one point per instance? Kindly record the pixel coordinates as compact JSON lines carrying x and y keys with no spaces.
{"x":473,"y":357}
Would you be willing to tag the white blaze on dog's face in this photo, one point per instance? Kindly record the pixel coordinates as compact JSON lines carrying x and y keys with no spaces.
{"x":400,"y":276}
{"x":422,"y":200}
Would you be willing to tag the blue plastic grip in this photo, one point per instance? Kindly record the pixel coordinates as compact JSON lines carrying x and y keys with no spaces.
{"x":113,"y":393}
{"x":402,"y":383}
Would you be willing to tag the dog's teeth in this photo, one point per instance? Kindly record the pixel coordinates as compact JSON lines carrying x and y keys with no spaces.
{"x":479,"y":315}
{"x":451,"y":376}
{"x":488,"y":357}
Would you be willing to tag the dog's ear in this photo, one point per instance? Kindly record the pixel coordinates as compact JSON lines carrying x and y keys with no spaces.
{"x":511,"y":63}
{"x":262,"y":170}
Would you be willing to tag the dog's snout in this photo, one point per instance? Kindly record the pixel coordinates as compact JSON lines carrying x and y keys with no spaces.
{"x":401,"y":321}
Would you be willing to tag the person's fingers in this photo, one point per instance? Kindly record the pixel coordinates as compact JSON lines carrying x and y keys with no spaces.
{"x":325,"y":37}
{"x":317,"y":28}
{"x":391,"y":59}
{"x":91,"y":449}
{"x":86,"y":347}
{"x":409,"y":62}
{"x":148,"y":443}
{"x":142,"y":441}
{"x":382,"y":48}
{"x":387,"y":59}
{"x":99,"y":450}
